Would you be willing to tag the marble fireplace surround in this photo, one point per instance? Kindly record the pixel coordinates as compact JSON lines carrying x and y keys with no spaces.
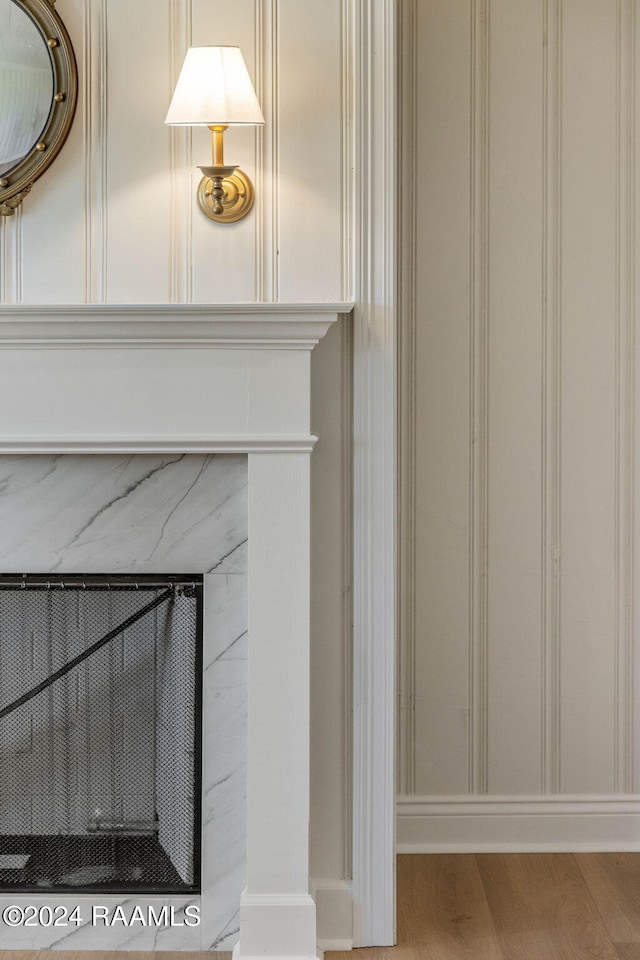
{"x":209,"y":379}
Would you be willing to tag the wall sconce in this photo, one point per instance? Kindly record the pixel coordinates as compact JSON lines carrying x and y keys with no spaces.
{"x":214,"y":90}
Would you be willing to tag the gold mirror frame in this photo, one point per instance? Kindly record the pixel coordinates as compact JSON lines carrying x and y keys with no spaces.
{"x":17,"y":183}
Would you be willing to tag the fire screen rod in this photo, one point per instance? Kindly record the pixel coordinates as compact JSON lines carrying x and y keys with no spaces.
{"x":87,"y":584}
{"x":68,"y":667}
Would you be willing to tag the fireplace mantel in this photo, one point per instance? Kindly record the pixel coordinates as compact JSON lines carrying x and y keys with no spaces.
{"x":263,"y":325}
{"x":207,"y":378}
{"x":139,"y":379}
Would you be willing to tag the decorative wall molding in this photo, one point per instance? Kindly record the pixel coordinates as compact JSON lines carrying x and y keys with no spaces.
{"x":347,"y":181}
{"x":133,"y":445}
{"x":235,"y":375}
{"x":625,"y":393}
{"x":551,"y":397}
{"x":181,"y":142}
{"x":290,"y":326}
{"x":407,"y":342}
{"x":374,"y":601}
{"x":95,"y":138}
{"x":267,"y":152}
{"x":497,"y":824}
{"x":347,"y":605}
{"x":11,"y":258}
{"x":479,"y":395}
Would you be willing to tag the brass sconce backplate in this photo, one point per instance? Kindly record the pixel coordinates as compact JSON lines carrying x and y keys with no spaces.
{"x":237,"y":200}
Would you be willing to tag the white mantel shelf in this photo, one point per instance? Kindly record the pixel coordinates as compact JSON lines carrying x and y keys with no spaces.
{"x":211,"y":378}
{"x":261,"y":325}
{"x":202,"y":378}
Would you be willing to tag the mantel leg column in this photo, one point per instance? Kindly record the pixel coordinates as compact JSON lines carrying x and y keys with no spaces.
{"x":277,"y":913}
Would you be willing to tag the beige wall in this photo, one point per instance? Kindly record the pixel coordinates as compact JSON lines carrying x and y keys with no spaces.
{"x":114,"y":220}
{"x":519,"y":689}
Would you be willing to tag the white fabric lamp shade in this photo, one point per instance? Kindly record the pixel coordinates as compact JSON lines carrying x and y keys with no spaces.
{"x":214,"y":89}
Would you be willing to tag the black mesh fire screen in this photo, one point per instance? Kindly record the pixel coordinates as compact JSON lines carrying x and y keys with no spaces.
{"x":100,"y":734}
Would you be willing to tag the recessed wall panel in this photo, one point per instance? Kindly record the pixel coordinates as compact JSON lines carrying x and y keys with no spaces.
{"x":513,"y":397}
{"x":312,"y":199}
{"x":138,"y":196}
{"x":588,"y":395}
{"x":442,"y":649}
{"x":224,"y":256}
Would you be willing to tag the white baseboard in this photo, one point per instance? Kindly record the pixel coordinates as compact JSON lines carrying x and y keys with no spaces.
{"x":334,"y":907}
{"x":498,"y":824}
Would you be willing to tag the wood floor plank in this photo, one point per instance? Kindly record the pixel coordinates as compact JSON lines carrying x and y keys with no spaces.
{"x":628,"y":951}
{"x":443,"y":913}
{"x":542,"y":908}
{"x":614,"y":882}
{"x":364,"y":953}
{"x":20,"y":954}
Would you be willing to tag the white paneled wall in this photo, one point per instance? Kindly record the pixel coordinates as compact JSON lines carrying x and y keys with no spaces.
{"x":115,"y":220}
{"x":519,"y":723}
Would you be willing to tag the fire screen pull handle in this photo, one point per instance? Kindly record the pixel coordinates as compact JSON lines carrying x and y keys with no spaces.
{"x":68,"y":667}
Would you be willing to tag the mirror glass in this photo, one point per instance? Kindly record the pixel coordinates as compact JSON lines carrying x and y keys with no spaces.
{"x":26,"y":84}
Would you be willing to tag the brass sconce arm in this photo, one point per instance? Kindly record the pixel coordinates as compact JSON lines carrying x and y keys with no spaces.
{"x":225,"y":193}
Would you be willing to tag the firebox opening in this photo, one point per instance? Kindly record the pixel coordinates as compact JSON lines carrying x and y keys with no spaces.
{"x":100,"y":733}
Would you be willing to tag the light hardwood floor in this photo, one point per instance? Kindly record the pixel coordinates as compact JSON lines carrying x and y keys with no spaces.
{"x":515,"y":907}
{"x":544,"y":906}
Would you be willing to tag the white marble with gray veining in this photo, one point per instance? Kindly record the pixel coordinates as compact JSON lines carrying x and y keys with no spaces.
{"x":135,"y":514}
{"x":151,"y":514}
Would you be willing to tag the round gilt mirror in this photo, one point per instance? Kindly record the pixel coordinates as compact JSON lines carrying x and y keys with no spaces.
{"x":38,"y":94}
